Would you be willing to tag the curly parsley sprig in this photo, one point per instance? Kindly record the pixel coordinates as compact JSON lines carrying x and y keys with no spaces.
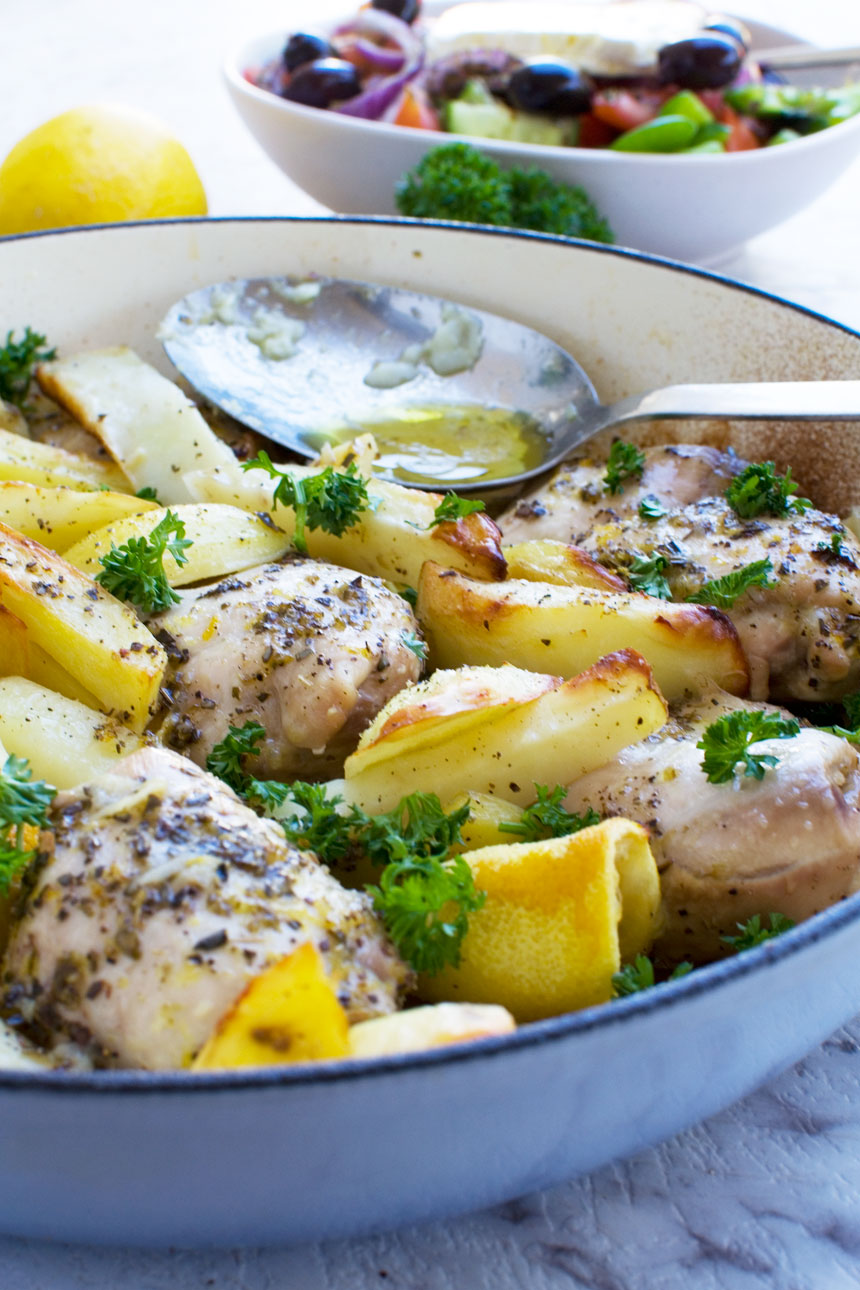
{"x":625,"y":462}
{"x":547,"y":818}
{"x":639,"y":975}
{"x":331,"y":500}
{"x":723,"y":592}
{"x":727,"y":743}
{"x":752,"y":932}
{"x":134,"y":571}
{"x":17,"y":360}
{"x":648,"y":574}
{"x":23,"y":800}
{"x":423,"y":897}
{"x":759,"y":490}
{"x":453,"y":508}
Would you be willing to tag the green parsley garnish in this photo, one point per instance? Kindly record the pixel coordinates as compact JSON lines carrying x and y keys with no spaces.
{"x":727,"y":742}
{"x":423,"y":897}
{"x":331,"y":500}
{"x":23,"y":800}
{"x":625,"y":462}
{"x":148,"y":494}
{"x":723,"y":592}
{"x":410,"y":595}
{"x":651,"y":508}
{"x":226,"y":758}
{"x":649,"y":575}
{"x":851,"y":709}
{"x":425,"y":905}
{"x":759,"y":490}
{"x":453,"y":508}
{"x":17,"y":360}
{"x":835,"y":549}
{"x":316,"y":824}
{"x":639,"y":975}
{"x":752,"y":932}
{"x":415,"y":644}
{"x":547,"y":818}
{"x":134,"y":571}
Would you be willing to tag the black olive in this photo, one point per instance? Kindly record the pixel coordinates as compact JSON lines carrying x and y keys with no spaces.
{"x":728,"y":28}
{"x":408,"y":10}
{"x":547,"y":85}
{"x":304,"y":48}
{"x":322,"y":82}
{"x":700,"y":63}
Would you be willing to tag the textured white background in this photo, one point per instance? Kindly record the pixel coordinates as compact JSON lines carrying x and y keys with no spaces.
{"x":765,"y":1195}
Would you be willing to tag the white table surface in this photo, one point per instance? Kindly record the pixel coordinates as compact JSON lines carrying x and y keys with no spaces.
{"x":766,"y":1194}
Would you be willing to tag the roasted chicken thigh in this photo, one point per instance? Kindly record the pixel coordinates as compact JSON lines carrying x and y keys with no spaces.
{"x":788,"y":843}
{"x":156,"y":897}
{"x":307,"y":649}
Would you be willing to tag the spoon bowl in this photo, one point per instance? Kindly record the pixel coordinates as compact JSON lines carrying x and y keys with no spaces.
{"x":456,"y":396}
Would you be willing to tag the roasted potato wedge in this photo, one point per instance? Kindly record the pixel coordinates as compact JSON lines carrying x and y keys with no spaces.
{"x":21,"y":656}
{"x":289,"y":1013}
{"x":428,"y":1027}
{"x":546,"y":560}
{"x":65,"y":742}
{"x":559,"y":629}
{"x":391,"y":540}
{"x":556,"y":736}
{"x":144,"y":420}
{"x":486,"y":813}
{"x":59,"y":517}
{"x":223,"y":540}
{"x":559,"y":918}
{"x":96,"y":639}
{"x":50,"y":467}
{"x":447,"y":704}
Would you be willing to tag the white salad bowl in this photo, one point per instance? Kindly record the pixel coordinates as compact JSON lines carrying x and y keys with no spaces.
{"x":698,"y":209}
{"x":300,"y":1153}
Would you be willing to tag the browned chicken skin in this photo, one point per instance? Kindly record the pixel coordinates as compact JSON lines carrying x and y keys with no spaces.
{"x":309,"y":650}
{"x":573,"y":501}
{"x":788,"y":843}
{"x":157,"y":896}
{"x":801,"y":635}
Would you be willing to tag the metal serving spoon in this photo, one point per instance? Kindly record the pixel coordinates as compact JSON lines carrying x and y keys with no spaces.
{"x":338,"y":339}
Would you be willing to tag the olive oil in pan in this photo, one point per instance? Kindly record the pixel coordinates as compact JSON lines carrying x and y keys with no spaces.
{"x":449,"y":443}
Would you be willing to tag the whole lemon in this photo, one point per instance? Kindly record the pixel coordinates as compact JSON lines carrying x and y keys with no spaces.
{"x":94,"y":165}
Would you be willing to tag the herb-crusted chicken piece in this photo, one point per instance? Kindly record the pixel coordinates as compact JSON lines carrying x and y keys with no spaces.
{"x":788,"y":843}
{"x":577,"y":496}
{"x":307,"y":649}
{"x":157,"y":896}
{"x":801,"y":631}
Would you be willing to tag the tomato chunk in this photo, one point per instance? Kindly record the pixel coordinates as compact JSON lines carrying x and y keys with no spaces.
{"x":416,"y":110}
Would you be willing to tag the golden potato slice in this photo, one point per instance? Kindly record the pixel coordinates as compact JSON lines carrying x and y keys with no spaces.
{"x":50,"y":467}
{"x":58,"y":517}
{"x":559,"y":918}
{"x":391,"y":540}
{"x":144,"y":420}
{"x":224,"y":540}
{"x":572,"y":727}
{"x":564,"y":629}
{"x":289,"y":1013}
{"x":96,"y":639}
{"x":486,"y":814}
{"x":21,"y":656}
{"x":448,"y":703}
{"x":65,"y":742}
{"x":546,"y":560}
{"x":428,"y":1027}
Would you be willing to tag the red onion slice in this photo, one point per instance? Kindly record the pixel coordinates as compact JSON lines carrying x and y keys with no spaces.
{"x":387,"y":60}
{"x":381,"y":91}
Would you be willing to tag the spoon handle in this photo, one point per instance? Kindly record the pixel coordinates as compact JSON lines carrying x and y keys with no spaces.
{"x":792,"y":56}
{"x":777,"y":400}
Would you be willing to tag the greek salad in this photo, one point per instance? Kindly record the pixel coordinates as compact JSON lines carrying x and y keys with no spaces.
{"x":640,"y":76}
